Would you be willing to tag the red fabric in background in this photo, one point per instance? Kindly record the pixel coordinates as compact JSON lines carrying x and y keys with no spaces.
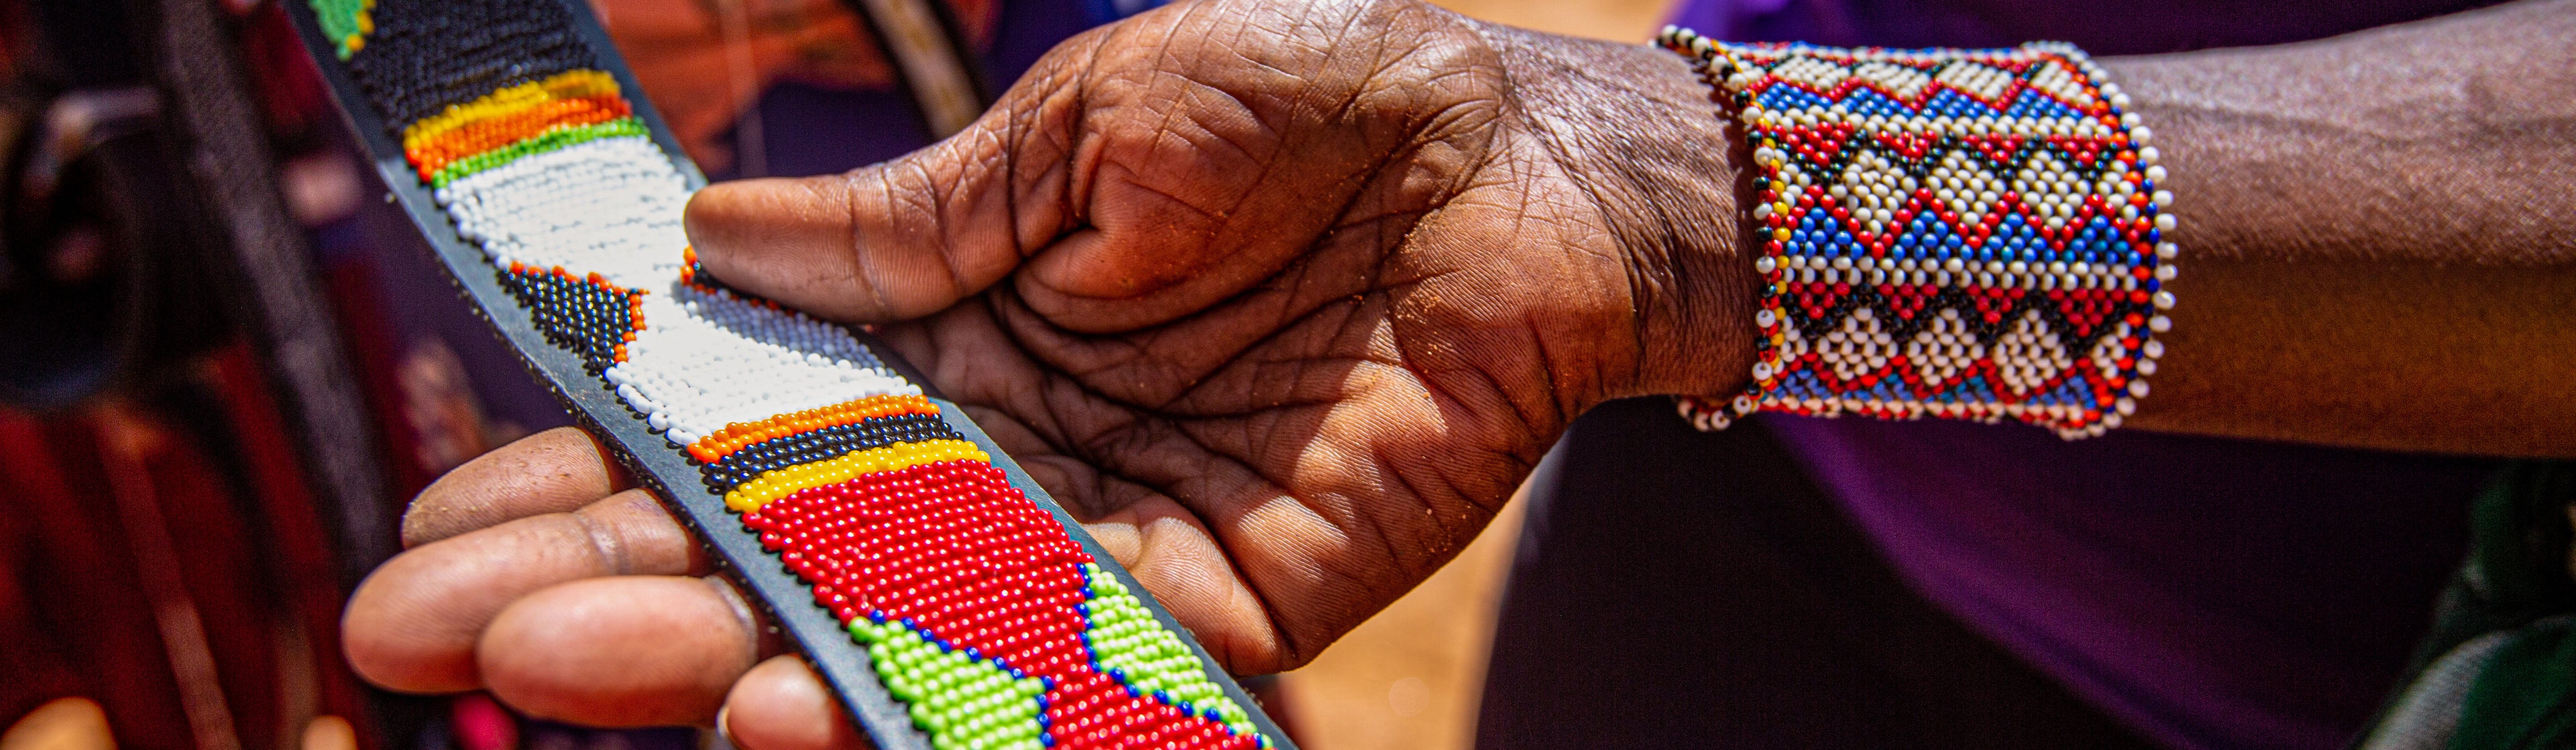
{"x":77,"y":613}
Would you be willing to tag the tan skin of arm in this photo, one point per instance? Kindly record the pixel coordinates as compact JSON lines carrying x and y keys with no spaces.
{"x":2378,"y":232}
{"x":2379,"y":237}
{"x":1283,"y":300}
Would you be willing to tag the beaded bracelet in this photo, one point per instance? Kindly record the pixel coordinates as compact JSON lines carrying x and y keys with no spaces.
{"x":976,"y":609}
{"x":1972,"y":234}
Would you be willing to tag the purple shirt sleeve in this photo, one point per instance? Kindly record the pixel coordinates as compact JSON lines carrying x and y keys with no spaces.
{"x":2210,"y":593}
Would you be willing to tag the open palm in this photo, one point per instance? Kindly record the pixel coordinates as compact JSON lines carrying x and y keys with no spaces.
{"x":1282,"y":299}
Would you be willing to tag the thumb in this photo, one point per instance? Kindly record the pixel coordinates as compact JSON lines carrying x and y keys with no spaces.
{"x":901,"y":239}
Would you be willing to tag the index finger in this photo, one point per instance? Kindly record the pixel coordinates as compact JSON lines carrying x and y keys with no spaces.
{"x":555,"y":471}
{"x":911,"y":236}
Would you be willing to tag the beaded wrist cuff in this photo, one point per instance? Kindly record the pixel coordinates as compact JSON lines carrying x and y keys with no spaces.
{"x":1972,"y":234}
{"x":983,"y":617}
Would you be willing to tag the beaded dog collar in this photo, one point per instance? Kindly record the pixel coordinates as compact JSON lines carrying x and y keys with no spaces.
{"x":1971,"y":234}
{"x":948,"y":600}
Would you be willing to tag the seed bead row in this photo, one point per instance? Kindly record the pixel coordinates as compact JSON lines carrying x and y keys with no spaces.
{"x":766,"y":322}
{"x":610,"y":206}
{"x":739,"y":435}
{"x":549,"y":140}
{"x":694,"y":276}
{"x":952,"y":552}
{"x":433,"y":155}
{"x":346,"y":23}
{"x":1131,"y":646}
{"x":809,"y":445}
{"x":691,"y":377}
{"x":423,"y":57}
{"x":977,"y":606}
{"x":1960,"y":233}
{"x":790,"y":480}
{"x":588,"y":315}
{"x":940,"y":550}
{"x":961,"y":702}
{"x":509,"y":101}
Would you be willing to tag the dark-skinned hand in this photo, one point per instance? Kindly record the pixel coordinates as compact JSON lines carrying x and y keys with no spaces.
{"x":1282,"y":298}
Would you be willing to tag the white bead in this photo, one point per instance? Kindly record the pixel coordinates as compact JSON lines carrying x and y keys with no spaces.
{"x":2164,"y":299}
{"x":2165,"y":222}
{"x":2165,"y":272}
{"x":2138,"y":388}
{"x":2159,"y":324}
{"x":2167,"y":250}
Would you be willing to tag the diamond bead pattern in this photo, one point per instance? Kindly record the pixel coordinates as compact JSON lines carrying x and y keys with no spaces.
{"x":1971,"y":234}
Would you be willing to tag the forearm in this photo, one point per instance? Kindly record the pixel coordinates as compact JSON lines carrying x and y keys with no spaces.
{"x":1639,"y":132}
{"x":2378,"y":231}
{"x":2378,"y":235}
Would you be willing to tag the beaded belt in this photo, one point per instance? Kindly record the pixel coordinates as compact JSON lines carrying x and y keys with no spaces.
{"x":950,"y":602}
{"x":1972,"y":234}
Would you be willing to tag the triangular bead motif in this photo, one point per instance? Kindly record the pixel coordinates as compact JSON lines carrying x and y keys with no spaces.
{"x":1987,"y":83}
{"x":1901,"y":82}
{"x":1967,"y":182}
{"x":1963,"y":233}
{"x":2033,"y":353}
{"x":1815,"y":75}
{"x":2062,"y":82}
{"x":1942,"y":350}
{"x":1859,"y":348}
{"x":2108,"y":352}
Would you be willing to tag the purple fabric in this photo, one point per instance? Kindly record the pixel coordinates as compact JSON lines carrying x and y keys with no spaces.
{"x":811,"y":131}
{"x":2212,"y":594}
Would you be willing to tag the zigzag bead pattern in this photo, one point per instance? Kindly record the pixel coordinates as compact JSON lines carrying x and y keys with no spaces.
{"x":976,"y":607}
{"x":1972,"y":234}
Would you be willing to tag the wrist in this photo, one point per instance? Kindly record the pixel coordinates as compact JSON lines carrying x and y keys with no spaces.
{"x":1635,"y":126}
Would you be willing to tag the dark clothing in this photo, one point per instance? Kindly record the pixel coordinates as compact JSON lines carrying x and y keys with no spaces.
{"x":2207,"y":593}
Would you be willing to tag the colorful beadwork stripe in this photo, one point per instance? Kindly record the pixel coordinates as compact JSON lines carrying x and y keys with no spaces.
{"x":587,"y":315}
{"x":426,"y":55}
{"x":346,"y":22}
{"x":736,"y":437}
{"x":1973,"y":234}
{"x":949,"y":553}
{"x":512,"y":102}
{"x":977,"y":608}
{"x":765,"y":456}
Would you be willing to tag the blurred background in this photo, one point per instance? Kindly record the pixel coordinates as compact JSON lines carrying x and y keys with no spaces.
{"x":226,"y":363}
